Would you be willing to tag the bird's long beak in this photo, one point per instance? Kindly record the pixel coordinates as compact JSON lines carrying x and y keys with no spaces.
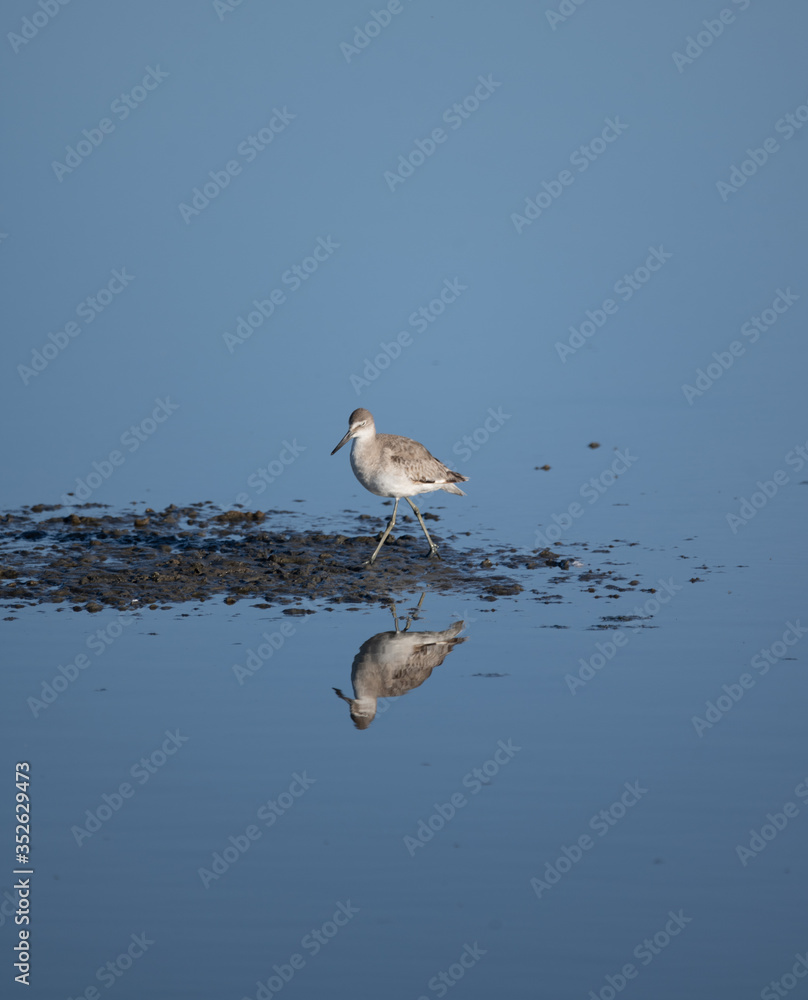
{"x":342,"y":442}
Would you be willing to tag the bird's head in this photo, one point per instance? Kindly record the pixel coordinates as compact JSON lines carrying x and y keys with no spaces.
{"x":360,"y":424}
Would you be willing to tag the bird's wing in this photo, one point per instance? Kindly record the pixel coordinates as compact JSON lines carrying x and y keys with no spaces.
{"x":415,"y":461}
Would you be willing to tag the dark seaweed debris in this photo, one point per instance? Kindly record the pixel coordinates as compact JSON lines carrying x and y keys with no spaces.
{"x":93,"y":558}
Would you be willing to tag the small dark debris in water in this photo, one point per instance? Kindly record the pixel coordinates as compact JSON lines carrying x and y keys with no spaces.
{"x":610,"y":622}
{"x":594,"y":444}
{"x":298,"y":611}
{"x":490,"y":675}
{"x":551,"y":558}
{"x":486,"y":564}
{"x":427,"y":515}
{"x":505,"y":589}
{"x":231,"y":516}
{"x":696,"y":579}
{"x":542,"y":468}
{"x":633,"y":583}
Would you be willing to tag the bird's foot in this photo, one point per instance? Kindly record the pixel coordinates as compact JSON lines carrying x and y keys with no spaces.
{"x":433,"y":553}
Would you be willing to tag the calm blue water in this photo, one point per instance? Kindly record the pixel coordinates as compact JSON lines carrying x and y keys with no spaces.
{"x":603,"y":243}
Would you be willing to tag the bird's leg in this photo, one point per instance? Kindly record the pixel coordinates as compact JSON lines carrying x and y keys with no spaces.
{"x":413,"y":614}
{"x":392,"y":607}
{"x":386,"y":533}
{"x":433,"y":549}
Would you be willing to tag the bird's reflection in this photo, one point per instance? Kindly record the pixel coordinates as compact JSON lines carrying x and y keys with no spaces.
{"x":390,"y":664}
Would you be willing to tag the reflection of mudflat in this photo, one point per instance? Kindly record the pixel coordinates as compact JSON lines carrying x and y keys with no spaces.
{"x":390,"y":664}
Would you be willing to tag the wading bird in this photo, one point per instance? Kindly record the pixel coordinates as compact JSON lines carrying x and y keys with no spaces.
{"x":393,"y":466}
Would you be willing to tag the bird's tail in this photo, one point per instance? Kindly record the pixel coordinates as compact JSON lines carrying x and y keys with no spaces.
{"x":451,"y":478}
